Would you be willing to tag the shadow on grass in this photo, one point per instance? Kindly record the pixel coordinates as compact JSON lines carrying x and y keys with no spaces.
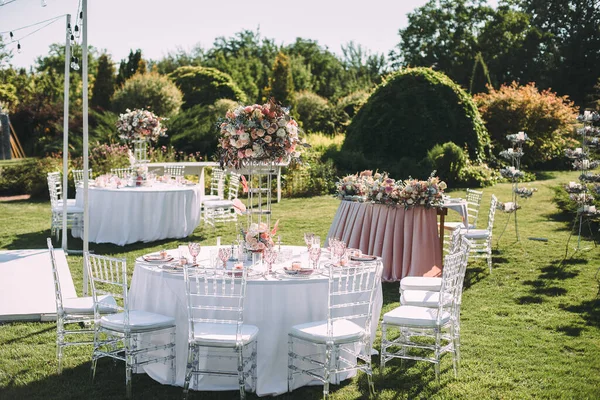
{"x":407,"y":379}
{"x":30,"y":240}
{"x":544,"y":175}
{"x":588,"y":310}
{"x":20,"y":338}
{"x":547,"y":283}
{"x":475,"y":273}
{"x":573,"y":331}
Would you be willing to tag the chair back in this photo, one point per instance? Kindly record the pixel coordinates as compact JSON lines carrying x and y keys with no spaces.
{"x":455,"y":240}
{"x":121,"y":172}
{"x":351,"y":295}
{"x":234,"y":185}
{"x":78,"y":176}
{"x":215,"y":296}
{"x":54,"y":188}
{"x":174,"y":170}
{"x":473,"y":204}
{"x":108,"y":276}
{"x":493,"y":206}
{"x":217,"y":182}
{"x":57,"y":290}
{"x":450,"y":283}
{"x":465,"y":249}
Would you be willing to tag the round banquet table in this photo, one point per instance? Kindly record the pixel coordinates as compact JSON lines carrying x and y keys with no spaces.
{"x":141,"y":214}
{"x":406,"y":239}
{"x":274,"y":304}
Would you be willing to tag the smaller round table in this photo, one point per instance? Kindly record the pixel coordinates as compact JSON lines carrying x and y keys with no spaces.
{"x":141,"y":214}
{"x":274,"y":304}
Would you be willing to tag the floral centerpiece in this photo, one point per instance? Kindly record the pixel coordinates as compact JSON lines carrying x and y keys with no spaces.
{"x":140,"y":124}
{"x":262,"y":133}
{"x":258,"y":237}
{"x":379,"y":188}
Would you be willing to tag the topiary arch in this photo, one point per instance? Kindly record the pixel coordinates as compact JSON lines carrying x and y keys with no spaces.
{"x":204,"y":86}
{"x":410,"y":112}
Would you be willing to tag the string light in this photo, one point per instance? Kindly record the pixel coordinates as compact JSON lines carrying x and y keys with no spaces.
{"x":12,"y":37}
{"x":18,"y":47}
{"x":77,"y":31}
{"x":75,"y":63}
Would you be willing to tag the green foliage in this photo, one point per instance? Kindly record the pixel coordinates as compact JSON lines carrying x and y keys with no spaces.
{"x":569,"y":208}
{"x":104,"y":88}
{"x":448,"y":160}
{"x":480,"y":77}
{"x":29,"y":177}
{"x":406,"y":116}
{"x":148,"y":91}
{"x":281,"y":84}
{"x":133,"y":65}
{"x":103,"y":157}
{"x":546,"y":118}
{"x":350,"y":104}
{"x":316,"y":114}
{"x":204,"y":86}
{"x":194,"y":130}
{"x":478,"y":175}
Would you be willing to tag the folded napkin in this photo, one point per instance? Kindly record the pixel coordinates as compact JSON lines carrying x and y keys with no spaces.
{"x":434,"y":272}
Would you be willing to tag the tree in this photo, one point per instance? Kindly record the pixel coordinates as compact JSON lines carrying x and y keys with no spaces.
{"x":134,"y":64}
{"x":204,"y":86}
{"x":149,"y":91}
{"x":104,"y":88}
{"x":281,"y":84}
{"x":442,"y":34}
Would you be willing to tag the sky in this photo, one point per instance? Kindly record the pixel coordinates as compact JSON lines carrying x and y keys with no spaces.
{"x":160,"y":27}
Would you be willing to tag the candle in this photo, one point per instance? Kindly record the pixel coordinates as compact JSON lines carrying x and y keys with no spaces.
{"x":585,"y":164}
{"x":587,"y":115}
{"x":512,"y":169}
{"x":508,"y":206}
{"x":592,"y":209}
{"x":510,"y":151}
{"x":578,"y":150}
{"x":586,"y":208}
{"x":572,"y":184}
{"x":521,"y":136}
{"x":238,"y":265}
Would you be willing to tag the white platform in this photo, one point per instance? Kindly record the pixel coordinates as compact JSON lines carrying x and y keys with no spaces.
{"x":27,"y":286}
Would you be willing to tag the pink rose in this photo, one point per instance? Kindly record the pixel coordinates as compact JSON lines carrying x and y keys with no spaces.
{"x":267,"y":139}
{"x":249,"y":152}
{"x":240,"y":154}
{"x":248,"y":109}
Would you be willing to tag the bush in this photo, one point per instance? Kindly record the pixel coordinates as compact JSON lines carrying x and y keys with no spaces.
{"x":351,"y":103}
{"x":204,"y":86}
{"x":545,"y":117}
{"x":409,"y":113}
{"x":478,"y":176}
{"x":317,"y":115}
{"x":448,"y":160}
{"x":148,"y":91}
{"x":29,"y":176}
{"x":104,"y":157}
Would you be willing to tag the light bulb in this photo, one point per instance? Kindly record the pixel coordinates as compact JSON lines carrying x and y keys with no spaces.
{"x":77,"y":31}
{"x":12,"y":37}
{"x":18,"y":47}
{"x":44,"y":4}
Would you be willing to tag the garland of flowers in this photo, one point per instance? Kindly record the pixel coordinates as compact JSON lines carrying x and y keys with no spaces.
{"x":140,"y":124}
{"x":263,"y":133}
{"x":379,"y":188}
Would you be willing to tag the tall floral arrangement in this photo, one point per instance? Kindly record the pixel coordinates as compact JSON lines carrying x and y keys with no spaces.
{"x":258,"y":133}
{"x":259,"y":237}
{"x":140,"y":124}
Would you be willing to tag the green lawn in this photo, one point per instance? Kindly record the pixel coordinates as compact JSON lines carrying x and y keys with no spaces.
{"x":531,"y":329}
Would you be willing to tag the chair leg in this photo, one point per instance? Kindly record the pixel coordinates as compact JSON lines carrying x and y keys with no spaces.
{"x":290,"y":364}
{"x":60,"y":339}
{"x":327,"y":366}
{"x":383,"y":347}
{"x":253,"y":370}
{"x":129,"y":362}
{"x":188,"y":371}
{"x":241,"y":377}
{"x":437,"y":356}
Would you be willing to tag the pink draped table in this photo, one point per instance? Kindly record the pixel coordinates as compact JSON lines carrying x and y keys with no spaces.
{"x":406,"y":240}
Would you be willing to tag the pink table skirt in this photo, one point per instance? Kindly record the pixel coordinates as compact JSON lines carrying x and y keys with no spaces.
{"x":406,"y":240}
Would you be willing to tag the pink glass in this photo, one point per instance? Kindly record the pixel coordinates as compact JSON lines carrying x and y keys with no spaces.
{"x":269,"y":257}
{"x":224,"y":254}
{"x":308,"y":239}
{"x":314,"y":255}
{"x":194,"y":249}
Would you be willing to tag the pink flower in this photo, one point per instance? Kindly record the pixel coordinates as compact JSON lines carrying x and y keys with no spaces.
{"x":267,"y":139}
{"x":249,"y":152}
{"x":241,"y":154}
{"x":248,"y":109}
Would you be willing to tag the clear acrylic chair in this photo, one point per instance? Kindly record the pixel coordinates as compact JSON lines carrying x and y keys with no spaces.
{"x":74,"y":213}
{"x":473,"y":204}
{"x":482,"y":238}
{"x":342,"y":342}
{"x":223,"y":210}
{"x":70,"y":311}
{"x":122,"y":172}
{"x":418,"y":325}
{"x":217,"y":185}
{"x":215,"y":303}
{"x":426,"y":283}
{"x":126,"y":334}
{"x":174,"y":170}
{"x":78,"y":176}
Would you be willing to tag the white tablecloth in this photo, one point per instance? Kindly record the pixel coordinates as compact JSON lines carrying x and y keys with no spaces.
{"x":273,"y":305}
{"x":460,"y":206}
{"x":141,"y":214}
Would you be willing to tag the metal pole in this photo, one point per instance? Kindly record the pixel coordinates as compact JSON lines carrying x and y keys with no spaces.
{"x":65,"y":180}
{"x":86,"y":216}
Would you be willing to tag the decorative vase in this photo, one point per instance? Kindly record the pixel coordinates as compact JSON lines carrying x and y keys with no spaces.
{"x":140,"y":150}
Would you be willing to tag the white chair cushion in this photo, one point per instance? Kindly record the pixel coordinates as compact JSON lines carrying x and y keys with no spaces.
{"x":211,"y":197}
{"x":222,"y":335}
{"x":218,"y":204}
{"x":453,"y":225}
{"x":85,"y":305}
{"x":477,"y":234}
{"x":433,"y":284}
{"x":139,"y":321}
{"x":344,"y":331}
{"x":414,"y":316}
{"x":422,"y":298}
{"x":70,"y":209}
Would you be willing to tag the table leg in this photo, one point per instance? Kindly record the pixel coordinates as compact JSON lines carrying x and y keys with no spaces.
{"x":278,"y":184}
{"x":201,"y":182}
{"x":442,"y":213}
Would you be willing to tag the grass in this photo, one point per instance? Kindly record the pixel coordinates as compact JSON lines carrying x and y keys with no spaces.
{"x":531,"y":329}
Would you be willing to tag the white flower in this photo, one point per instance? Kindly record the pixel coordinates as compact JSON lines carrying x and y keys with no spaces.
{"x":281,"y":132}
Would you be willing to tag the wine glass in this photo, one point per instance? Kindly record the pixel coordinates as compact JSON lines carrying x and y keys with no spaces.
{"x":194,"y":249}
{"x":308,"y":239}
{"x":314,"y":254}
{"x":339,"y":248}
{"x":224,"y":254}
{"x":269,"y":257}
